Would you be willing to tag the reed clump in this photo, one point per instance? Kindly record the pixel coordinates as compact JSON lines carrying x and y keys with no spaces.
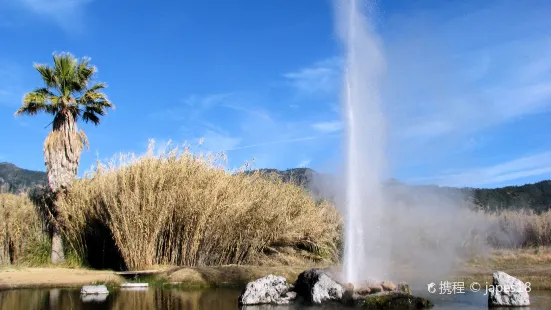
{"x":180,"y":208}
{"x":522,"y":228}
{"x":22,"y":236}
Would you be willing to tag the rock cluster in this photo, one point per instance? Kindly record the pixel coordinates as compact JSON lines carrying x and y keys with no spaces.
{"x":315,"y":286}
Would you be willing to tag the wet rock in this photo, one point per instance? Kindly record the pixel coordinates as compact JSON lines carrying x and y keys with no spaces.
{"x":348,"y":286}
{"x":394,"y":300}
{"x":507,"y":291}
{"x":375,"y":288}
{"x":404,"y":288}
{"x":267,"y":290}
{"x":388,"y":286}
{"x":363,"y":291}
{"x":317,"y":287}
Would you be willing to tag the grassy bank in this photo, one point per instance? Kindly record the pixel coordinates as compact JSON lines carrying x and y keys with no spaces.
{"x":529,"y":265}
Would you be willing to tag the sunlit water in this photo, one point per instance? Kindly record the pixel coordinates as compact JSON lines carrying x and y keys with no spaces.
{"x":366,"y":250}
{"x":212,"y":299}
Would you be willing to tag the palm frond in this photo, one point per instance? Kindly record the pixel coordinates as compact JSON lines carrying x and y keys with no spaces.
{"x":89,"y":116}
{"x":94,"y":109}
{"x":85,"y":71}
{"x":94,"y":100}
{"x":97,"y":87}
{"x":35,"y":102}
{"x":65,"y":66}
{"x":91,"y":97}
{"x":47,"y":74}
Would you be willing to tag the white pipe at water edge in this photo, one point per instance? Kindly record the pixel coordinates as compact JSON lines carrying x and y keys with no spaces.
{"x":128,"y":285}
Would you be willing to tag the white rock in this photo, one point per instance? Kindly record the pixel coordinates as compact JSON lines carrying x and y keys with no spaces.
{"x":508,"y":291}
{"x":94,"y":289}
{"x":267,"y":290}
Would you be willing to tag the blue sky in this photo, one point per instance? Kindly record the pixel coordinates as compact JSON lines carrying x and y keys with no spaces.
{"x":466,"y":93}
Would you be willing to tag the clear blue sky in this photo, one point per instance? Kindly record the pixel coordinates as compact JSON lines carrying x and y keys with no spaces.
{"x":467,"y":87}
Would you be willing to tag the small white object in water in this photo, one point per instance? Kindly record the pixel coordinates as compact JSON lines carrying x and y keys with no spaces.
{"x":94,"y":289}
{"x":128,"y":285}
{"x":134,"y":288}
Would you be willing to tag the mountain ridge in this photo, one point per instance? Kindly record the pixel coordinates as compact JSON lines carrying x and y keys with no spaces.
{"x":531,"y":196}
{"x":14,"y":179}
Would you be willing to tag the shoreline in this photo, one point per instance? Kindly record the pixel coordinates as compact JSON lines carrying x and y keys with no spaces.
{"x":215,"y":276}
{"x":183,"y":277}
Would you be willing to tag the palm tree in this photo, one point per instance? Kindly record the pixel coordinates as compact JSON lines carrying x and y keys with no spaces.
{"x":69,"y":95}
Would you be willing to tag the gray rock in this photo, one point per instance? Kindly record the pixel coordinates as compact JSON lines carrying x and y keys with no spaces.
{"x":507,"y":291}
{"x":267,"y":290}
{"x":317,"y":287}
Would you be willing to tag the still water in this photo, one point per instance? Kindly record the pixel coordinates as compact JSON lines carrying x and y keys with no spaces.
{"x":219,"y":299}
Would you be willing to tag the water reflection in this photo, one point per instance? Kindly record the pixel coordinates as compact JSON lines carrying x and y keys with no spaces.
{"x":174,"y":299}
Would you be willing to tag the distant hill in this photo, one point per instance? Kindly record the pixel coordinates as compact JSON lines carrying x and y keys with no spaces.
{"x":536,"y":197}
{"x":299,"y":176}
{"x":16,"y":180}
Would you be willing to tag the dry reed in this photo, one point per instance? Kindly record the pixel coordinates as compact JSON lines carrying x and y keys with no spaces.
{"x":178,"y":208}
{"x":21,"y":230}
{"x":524,"y":228}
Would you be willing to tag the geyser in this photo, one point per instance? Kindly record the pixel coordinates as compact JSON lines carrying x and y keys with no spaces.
{"x":366,"y":250}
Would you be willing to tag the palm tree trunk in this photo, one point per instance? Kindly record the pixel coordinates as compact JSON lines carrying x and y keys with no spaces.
{"x":58,"y":254}
{"x":62,"y":150}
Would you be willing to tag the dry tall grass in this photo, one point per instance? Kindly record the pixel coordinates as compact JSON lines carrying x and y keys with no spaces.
{"x":20,"y":229}
{"x":513,"y":229}
{"x":179,"y":208}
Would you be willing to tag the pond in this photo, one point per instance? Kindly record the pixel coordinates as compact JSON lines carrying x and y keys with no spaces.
{"x":219,"y":299}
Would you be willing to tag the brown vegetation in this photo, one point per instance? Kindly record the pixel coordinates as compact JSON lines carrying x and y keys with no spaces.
{"x":514,"y":229}
{"x":178,"y":208}
{"x":21,"y":231}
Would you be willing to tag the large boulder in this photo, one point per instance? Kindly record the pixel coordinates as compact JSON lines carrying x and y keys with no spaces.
{"x":315,"y":286}
{"x":507,"y":291}
{"x":267,"y":290}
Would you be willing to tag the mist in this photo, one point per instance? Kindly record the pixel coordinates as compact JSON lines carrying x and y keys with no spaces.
{"x":428,"y":233}
{"x":410,"y":103}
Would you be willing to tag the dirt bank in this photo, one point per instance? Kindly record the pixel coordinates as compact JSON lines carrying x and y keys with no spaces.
{"x":53,"y":277}
{"x":227,"y":276}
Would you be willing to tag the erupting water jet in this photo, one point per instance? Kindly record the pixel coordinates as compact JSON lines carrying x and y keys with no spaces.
{"x":366,"y":250}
